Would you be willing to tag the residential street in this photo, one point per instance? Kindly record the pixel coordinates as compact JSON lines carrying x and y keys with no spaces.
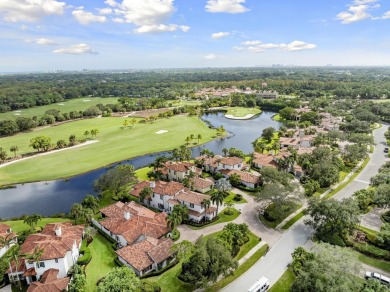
{"x":275,"y":262}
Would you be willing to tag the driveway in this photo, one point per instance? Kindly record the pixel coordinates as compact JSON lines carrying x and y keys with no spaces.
{"x":372,"y":219}
{"x":275,"y":262}
{"x":249,"y":215}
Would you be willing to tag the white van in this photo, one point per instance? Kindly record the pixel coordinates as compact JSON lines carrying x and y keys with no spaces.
{"x":383,"y":279}
{"x":261,"y":285}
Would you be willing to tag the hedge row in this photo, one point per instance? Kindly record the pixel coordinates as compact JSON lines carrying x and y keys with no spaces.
{"x":85,"y":251}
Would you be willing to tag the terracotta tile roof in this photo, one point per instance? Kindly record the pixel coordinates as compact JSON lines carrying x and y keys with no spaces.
{"x":265,"y":160}
{"x":289,"y":141}
{"x":298,"y":168}
{"x":142,"y":221}
{"x":211,"y":210}
{"x":194,"y":213}
{"x":192,"y":197}
{"x":142,"y":254}
{"x":159,"y":187}
{"x":5,"y":232}
{"x":173,"y":202}
{"x":244,"y":176}
{"x":53,"y":246}
{"x":30,"y":272}
{"x":161,"y":251}
{"x":49,"y":285}
{"x":210,"y":161}
{"x":303,"y":150}
{"x":20,"y":268}
{"x":231,"y":160}
{"x":201,"y":183}
{"x":49,"y":275}
{"x":179,"y":166}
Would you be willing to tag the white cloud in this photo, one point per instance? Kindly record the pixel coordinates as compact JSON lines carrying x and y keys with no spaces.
{"x":386,"y":15}
{"x":43,"y":42}
{"x":85,"y":17}
{"x":227,"y":6}
{"x":357,"y":11}
{"x":251,"y":43}
{"x":219,"y":35}
{"x":258,"y":46}
{"x":105,"y":11}
{"x":29,"y":10}
{"x":160,"y":28}
{"x":210,"y":57}
{"x":79,"y":49}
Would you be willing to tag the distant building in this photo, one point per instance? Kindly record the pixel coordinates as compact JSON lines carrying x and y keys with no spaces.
{"x":268,"y":94}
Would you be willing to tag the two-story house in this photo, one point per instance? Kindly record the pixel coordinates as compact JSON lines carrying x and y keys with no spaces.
{"x":59,"y":244}
{"x":230,"y":163}
{"x":165,"y":196}
{"x":50,"y":282}
{"x":8,"y":236}
{"x":177,"y":171}
{"x":248,"y":179}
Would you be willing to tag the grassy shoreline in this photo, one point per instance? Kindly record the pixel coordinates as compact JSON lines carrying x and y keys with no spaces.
{"x":115,"y":145}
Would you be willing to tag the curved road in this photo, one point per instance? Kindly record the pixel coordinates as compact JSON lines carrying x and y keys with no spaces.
{"x":275,"y":262}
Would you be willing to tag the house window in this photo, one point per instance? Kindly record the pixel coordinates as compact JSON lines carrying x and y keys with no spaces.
{"x":40,"y":265}
{"x":56,"y":261}
{"x":160,"y":206}
{"x":161,"y":197}
{"x":191,"y":205}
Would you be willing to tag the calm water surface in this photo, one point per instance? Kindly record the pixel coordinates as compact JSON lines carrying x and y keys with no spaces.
{"x":53,"y":197}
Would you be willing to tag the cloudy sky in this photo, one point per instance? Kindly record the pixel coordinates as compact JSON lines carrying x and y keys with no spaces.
{"x":124,"y":34}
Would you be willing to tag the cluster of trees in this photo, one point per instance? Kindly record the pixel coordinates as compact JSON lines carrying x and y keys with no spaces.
{"x":381,"y":182}
{"x":84,"y":212}
{"x":22,"y":124}
{"x":192,"y":137}
{"x":279,"y":193}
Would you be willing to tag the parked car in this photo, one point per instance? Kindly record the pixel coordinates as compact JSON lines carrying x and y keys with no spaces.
{"x":386,"y":150}
{"x":383,"y":279}
{"x":260,"y":285}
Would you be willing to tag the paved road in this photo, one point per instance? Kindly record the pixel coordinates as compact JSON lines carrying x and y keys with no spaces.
{"x":275,"y":262}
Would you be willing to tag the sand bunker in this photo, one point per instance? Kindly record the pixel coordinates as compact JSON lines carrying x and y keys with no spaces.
{"x":60,"y":103}
{"x":17,"y":114}
{"x":18,"y":111}
{"x":86,"y":100}
{"x":161,"y":132}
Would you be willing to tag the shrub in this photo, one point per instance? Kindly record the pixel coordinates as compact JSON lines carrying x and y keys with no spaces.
{"x":334,"y":239}
{"x":237,"y":197}
{"x":229,"y":211}
{"x":150,"y":287}
{"x":386,"y":216}
{"x":118,"y":262}
{"x":85,"y":259}
{"x":371,"y":250}
{"x":175,"y":234}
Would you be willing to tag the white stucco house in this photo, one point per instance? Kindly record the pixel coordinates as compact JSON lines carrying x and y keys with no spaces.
{"x":6,"y":234}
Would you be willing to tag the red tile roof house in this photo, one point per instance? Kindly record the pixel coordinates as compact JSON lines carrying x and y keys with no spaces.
{"x":177,"y":171}
{"x":50,"y":282}
{"x":168,"y":194}
{"x":141,"y":232}
{"x":202,"y":185}
{"x":230,"y":163}
{"x":248,"y":179}
{"x":209,"y":164}
{"x":60,"y":243}
{"x":6,"y":233}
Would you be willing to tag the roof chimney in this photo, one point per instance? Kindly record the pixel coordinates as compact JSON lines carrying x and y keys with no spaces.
{"x":58,"y":231}
{"x":127,"y":215}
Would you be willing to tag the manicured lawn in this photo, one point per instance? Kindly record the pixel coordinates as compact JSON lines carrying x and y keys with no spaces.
{"x":169,"y":281}
{"x":18,"y":225}
{"x":78,"y":104}
{"x":114,"y":145}
{"x":230,"y":198}
{"x":142,"y":173}
{"x":273,"y":224}
{"x":284,"y":283}
{"x":253,"y":241}
{"x":242,"y":111}
{"x":292,"y":221}
{"x":377,"y":263}
{"x":239,"y":271}
{"x":222,"y":218}
{"x":102,"y":262}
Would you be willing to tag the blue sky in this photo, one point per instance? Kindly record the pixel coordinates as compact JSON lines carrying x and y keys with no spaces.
{"x":125,"y":34}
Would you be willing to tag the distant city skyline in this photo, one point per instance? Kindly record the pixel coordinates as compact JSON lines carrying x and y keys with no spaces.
{"x":49,"y":35}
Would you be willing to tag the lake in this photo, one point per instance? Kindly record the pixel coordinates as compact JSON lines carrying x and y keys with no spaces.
{"x":53,"y":197}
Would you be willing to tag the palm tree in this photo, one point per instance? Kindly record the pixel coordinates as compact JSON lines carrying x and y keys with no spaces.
{"x":199,"y":137}
{"x":6,"y":240}
{"x":91,"y":202}
{"x":146,"y":194}
{"x":173,"y":220}
{"x":230,"y":205}
{"x":225,"y":151}
{"x":192,"y":137}
{"x":206,"y":203}
{"x":125,"y":123}
{"x":13,"y":256}
{"x":89,"y":234}
{"x":188,"y":139}
{"x":261,"y":146}
{"x":35,"y":256}
{"x":14,"y":149}
{"x":94,"y":132}
{"x":86,"y":134}
{"x":32,"y":219}
{"x":217,"y":198}
{"x":72,"y":139}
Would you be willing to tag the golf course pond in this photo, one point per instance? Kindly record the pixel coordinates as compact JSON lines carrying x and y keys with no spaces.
{"x":53,"y":197}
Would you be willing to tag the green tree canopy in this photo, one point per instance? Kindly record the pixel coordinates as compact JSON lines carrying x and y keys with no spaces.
{"x":119,"y":280}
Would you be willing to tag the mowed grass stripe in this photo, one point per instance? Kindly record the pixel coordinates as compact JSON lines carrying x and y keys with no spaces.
{"x":114,"y":145}
{"x":78,"y":104}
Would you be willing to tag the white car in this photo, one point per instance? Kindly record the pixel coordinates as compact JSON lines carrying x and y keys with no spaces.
{"x":383,"y":279}
{"x":260,"y":285}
